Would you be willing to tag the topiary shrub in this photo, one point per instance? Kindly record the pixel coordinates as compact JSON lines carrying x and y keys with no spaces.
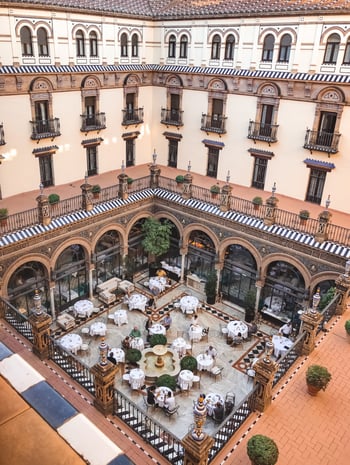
{"x":188,"y":363}
{"x":180,"y":178}
{"x":262,"y":450}
{"x":167,"y":381}
{"x":158,"y":339}
{"x":53,"y":198}
{"x":133,"y":356}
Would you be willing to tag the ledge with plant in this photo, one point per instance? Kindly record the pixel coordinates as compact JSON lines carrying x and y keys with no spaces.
{"x":215,"y":190}
{"x":257,"y":201}
{"x":317,"y":379}
{"x":53,"y":199}
{"x":96,"y":189}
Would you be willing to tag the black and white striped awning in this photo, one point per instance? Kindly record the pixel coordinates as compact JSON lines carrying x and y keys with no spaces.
{"x":256,"y":223}
{"x":262,"y":74}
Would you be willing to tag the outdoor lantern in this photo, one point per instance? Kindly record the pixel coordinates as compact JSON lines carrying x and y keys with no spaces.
{"x":154,"y":156}
{"x":189,"y":166}
{"x":228,"y":176}
{"x":38,"y":310}
{"x":123,"y":166}
{"x":316,"y":300}
{"x":268,"y":351}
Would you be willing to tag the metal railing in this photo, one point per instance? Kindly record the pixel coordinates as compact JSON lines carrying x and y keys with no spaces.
{"x":322,"y":141}
{"x":262,"y":131}
{"x":214,"y":123}
{"x":133,"y":116}
{"x":17,"y":320}
{"x":93,"y":122}
{"x":155,"y":434}
{"x":45,"y":128}
{"x":172,"y":117}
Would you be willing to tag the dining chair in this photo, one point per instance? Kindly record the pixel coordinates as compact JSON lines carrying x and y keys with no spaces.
{"x":170,"y":413}
{"x":216,"y":371}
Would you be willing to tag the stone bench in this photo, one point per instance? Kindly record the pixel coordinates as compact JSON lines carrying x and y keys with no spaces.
{"x":126,"y":286}
{"x":65,"y":321}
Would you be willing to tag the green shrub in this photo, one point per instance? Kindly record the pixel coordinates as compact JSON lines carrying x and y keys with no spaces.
{"x":130,"y":180}
{"x":215,"y":189}
{"x":304,"y":214}
{"x":3,"y":213}
{"x":262,"y":450}
{"x":158,"y":339}
{"x":133,"y":355}
{"x":96,"y":189}
{"x":167,"y":381}
{"x":180,"y":178}
{"x":347,"y":326}
{"x":257,"y":201}
{"x":188,"y":363}
{"x":318,"y":376}
{"x":53,"y":198}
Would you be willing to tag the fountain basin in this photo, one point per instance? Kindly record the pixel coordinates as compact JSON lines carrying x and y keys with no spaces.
{"x":153,"y":368}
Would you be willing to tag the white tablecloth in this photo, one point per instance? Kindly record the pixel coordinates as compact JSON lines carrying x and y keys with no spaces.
{"x":195,"y":332}
{"x":98,"y":329}
{"x":137,"y":343}
{"x":71,"y":342}
{"x":137,"y":378}
{"x":204,"y":362}
{"x":158,"y":283}
{"x":137,"y":301}
{"x":120,"y":317}
{"x":235,"y":327}
{"x":185,"y":379}
{"x":161,"y":394}
{"x":157,"y":329}
{"x":189,"y":304}
{"x":118,"y":354}
{"x":211,"y":400}
{"x":280,"y":345}
{"x":83,"y":308}
{"x":179,"y":345}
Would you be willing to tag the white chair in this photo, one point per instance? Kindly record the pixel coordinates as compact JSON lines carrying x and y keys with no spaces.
{"x":216,"y":371}
{"x":85,"y":331}
{"x":196,"y":381}
{"x":126,"y":378}
{"x":84,"y":347}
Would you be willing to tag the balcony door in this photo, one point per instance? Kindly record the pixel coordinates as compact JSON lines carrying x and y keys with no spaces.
{"x":266,"y":120}
{"x":42,"y":116}
{"x":45,"y":166}
{"x":90,"y":109}
{"x":216,"y":113}
{"x":326,"y":128}
{"x":130,"y":106}
{"x":174,"y":107}
{"x":130,"y":152}
{"x":213,"y":161}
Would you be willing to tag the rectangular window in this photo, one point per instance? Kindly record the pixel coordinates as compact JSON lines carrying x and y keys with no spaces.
{"x":259,"y":172}
{"x":213,"y":161}
{"x":130,"y":152}
{"x":316,"y":185}
{"x":91,"y":160}
{"x":172,"y":155}
{"x":45,"y":166}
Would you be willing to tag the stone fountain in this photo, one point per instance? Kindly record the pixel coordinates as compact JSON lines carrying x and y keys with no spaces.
{"x":159,"y":360}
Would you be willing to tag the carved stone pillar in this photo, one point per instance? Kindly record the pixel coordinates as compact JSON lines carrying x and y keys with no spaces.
{"x":342,"y":284}
{"x":123,"y":186}
{"x":154,"y":173}
{"x":43,"y":208}
{"x":265,"y":370}
{"x":40,"y":322}
{"x":197,"y":452}
{"x":323,"y":221}
{"x":309,"y":324}
{"x":104,"y":374}
{"x":270,"y":212}
{"x":225,"y":198}
{"x":86,"y":193}
{"x":259,"y":285}
{"x":187,"y":186}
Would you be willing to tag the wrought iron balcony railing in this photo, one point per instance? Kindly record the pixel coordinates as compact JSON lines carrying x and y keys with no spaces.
{"x":2,"y":135}
{"x":322,"y":141}
{"x":214,"y":123}
{"x":93,"y":122}
{"x":262,"y":131}
{"x":45,"y":128}
{"x":133,"y":116}
{"x":171,"y":117}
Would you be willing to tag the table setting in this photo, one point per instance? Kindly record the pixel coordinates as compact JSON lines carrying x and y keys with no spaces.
{"x":211,"y":400}
{"x":204,"y":362}
{"x":83,"y":308}
{"x":185,"y":379}
{"x":137,"y":343}
{"x":137,"y":302}
{"x":71,"y":342}
{"x":137,"y":378}
{"x":161,"y":393}
{"x":120,"y":317}
{"x":235,"y":327}
{"x":98,"y":329}
{"x":281,"y":345}
{"x":157,"y":284}
{"x":157,"y":329}
{"x":118,"y":354}
{"x":180,"y":345}
{"x":189,"y":304}
{"x":195,"y":333}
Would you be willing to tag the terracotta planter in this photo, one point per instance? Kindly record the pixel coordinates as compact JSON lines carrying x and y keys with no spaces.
{"x":312,"y":390}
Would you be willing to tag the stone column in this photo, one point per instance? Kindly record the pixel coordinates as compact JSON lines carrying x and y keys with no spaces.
{"x":123,"y":185}
{"x":104,"y":374}
{"x":187,"y":186}
{"x":87,"y":203}
{"x":43,"y":208}
{"x":52,"y":300}
{"x":225,"y":195}
{"x":342,"y":284}
{"x":310,"y":321}
{"x":265,"y":370}
{"x":270,"y":212}
{"x":323,"y":221}
{"x":259,"y":285}
{"x":154,"y":172}
{"x":183,"y":257}
{"x":40,"y":322}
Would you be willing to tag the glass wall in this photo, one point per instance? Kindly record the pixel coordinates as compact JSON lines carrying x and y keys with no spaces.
{"x":108,"y":261}
{"x":201,"y":254}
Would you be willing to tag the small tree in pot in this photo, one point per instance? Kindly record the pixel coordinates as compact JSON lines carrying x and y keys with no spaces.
{"x":158,"y":339}
{"x":262,"y":450}
{"x":317,"y":378}
{"x":188,"y":363}
{"x":157,"y":237}
{"x":211,"y":286}
{"x":167,"y":381}
{"x":133,"y":356}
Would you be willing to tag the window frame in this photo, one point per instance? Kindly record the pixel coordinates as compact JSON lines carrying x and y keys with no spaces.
{"x":316,"y":185}
{"x":91,"y":159}
{"x":259,"y":177}
{"x":93,"y":44}
{"x":26,"y":41}
{"x":80,"y":43}
{"x":183,"y":46}
{"x":229,"y":47}
{"x":43,"y":44}
{"x":215,"y":47}
{"x":268,"y":48}
{"x":331,"y":50}
{"x":46,"y":167}
{"x":124,"y":45}
{"x":134,"y":45}
{"x":285,"y":49}
{"x":172,"y":46}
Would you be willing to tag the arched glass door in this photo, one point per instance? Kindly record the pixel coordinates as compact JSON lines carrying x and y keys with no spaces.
{"x":201,"y":254}
{"x":108,"y":261}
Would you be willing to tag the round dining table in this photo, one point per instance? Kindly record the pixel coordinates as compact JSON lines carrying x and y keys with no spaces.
{"x":71,"y":342}
{"x":235,"y":327}
{"x":195,"y":333}
{"x":157,"y":329}
{"x":180,"y":345}
{"x":120,"y":317}
{"x":118,"y":354}
{"x":205,"y":362}
{"x":83,"y":308}
{"x":211,"y":400}
{"x":185,"y":379}
{"x":161,"y":393}
{"x":157,"y":284}
{"x":281,"y":345}
{"x":136,"y":378}
{"x":98,"y":329}
{"x":189,"y":304}
{"x":137,"y":302}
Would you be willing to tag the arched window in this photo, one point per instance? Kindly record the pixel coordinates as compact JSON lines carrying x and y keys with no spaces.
{"x":26,"y":41}
{"x":284,"y":51}
{"x":183,"y":46}
{"x":93,"y":44}
{"x":80,"y":43}
{"x":215,"y":47}
{"x":346,"y":60}
{"x":332,"y":49}
{"x":172,"y":47}
{"x":43,"y":45}
{"x":229,"y":47}
{"x":269,"y":43}
{"x":124,"y":45}
{"x":134,"y":45}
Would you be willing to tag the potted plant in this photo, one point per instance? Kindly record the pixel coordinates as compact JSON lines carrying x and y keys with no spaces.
{"x":304,"y":215}
{"x":211,"y":287}
{"x":347,"y":329}
{"x":180,"y":178}
{"x":166,"y":381}
{"x":53,"y":199}
{"x":133,"y":356}
{"x":96,"y":189}
{"x":317,"y":378}
{"x":188,"y":362}
{"x":130,"y":180}
{"x":257,"y":201}
{"x":215,"y":190}
{"x":262,"y":450}
{"x":157,"y":339}
{"x":3,"y":216}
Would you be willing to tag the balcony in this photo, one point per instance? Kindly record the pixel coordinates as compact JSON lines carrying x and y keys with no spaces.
{"x":94,"y":122}
{"x":171,"y":117}
{"x":132,"y":116}
{"x":321,"y":141}
{"x":262,"y":131}
{"x":214,"y":123}
{"x":2,"y":135}
{"x":45,"y":128}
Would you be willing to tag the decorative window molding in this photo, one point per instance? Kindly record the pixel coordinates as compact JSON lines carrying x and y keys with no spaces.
{"x":42,"y":151}
{"x":322,"y":165}
{"x":261,"y":153}
{"x":213,"y":143}
{"x":172,"y":135}
{"x":91,"y":142}
{"x":130,"y":135}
